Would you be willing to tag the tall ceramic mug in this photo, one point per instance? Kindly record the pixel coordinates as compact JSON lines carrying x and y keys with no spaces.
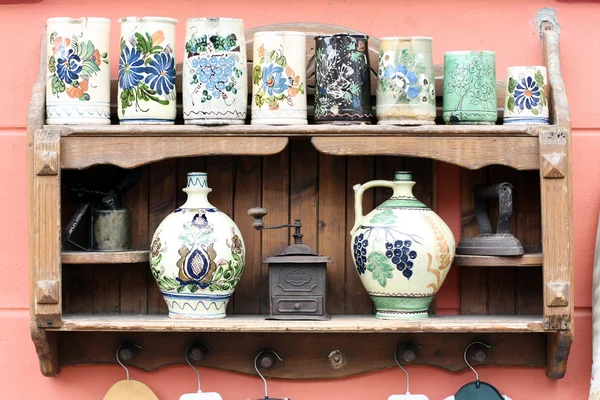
{"x":342,"y":79}
{"x":470,"y":87}
{"x":526,"y":100}
{"x":215,"y":84}
{"x":406,"y":82}
{"x":78,"y":70}
{"x":279,"y":78}
{"x":147,"y":92}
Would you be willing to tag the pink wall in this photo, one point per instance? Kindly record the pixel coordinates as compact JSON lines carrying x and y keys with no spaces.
{"x":507,"y":27}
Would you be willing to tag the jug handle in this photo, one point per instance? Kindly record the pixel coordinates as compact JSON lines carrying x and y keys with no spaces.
{"x":359,"y":190}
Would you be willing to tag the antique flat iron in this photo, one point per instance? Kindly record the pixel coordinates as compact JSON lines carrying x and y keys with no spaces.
{"x":488,"y":243}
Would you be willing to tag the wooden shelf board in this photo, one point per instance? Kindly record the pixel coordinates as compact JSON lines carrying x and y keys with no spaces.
{"x":337,"y":324}
{"x":104,"y":257}
{"x":299,"y":130}
{"x":527,"y":260}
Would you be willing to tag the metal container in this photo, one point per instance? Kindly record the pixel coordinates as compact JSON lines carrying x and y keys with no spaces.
{"x":343,"y":84}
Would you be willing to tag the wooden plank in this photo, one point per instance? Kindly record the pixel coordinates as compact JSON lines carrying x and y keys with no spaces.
{"x":161,"y":202}
{"x":477,"y":152}
{"x":527,"y":260}
{"x":276,"y":199}
{"x":337,"y":324}
{"x":139,"y":131}
{"x":248,"y":195}
{"x":77,"y":289}
{"x":359,"y":170}
{"x":422,"y":173}
{"x":473,"y":281}
{"x":116,"y":257}
{"x":133,"y":151}
{"x":333,"y":236}
{"x":303,"y":189}
{"x":106,"y":289}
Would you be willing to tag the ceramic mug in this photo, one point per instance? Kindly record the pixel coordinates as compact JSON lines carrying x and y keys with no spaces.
{"x":470,"y":87}
{"x":342,"y":79}
{"x":279,"y":78}
{"x":215,"y":84}
{"x":406,"y":82}
{"x":526,"y":100}
{"x":147,"y":92}
{"x":78,"y":71}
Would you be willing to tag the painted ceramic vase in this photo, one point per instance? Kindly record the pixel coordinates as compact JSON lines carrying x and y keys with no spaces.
{"x":197,"y":255}
{"x":215,"y":84}
{"x":78,"y":71}
{"x":526,"y":100}
{"x":279,"y":78}
{"x":342,"y":79}
{"x":147,"y":92}
{"x":470,"y":87}
{"x":406,"y":82}
{"x":402,"y":250}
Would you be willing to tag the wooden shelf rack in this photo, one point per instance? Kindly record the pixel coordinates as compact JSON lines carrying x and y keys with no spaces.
{"x":83,"y":305}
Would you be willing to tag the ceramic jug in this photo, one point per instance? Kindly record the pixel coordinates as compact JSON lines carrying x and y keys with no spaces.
{"x":197,"y":255}
{"x":402,"y":250}
{"x":78,"y":71}
{"x":342,"y":79}
{"x":470,"y":88}
{"x":526,"y":100}
{"x":147,"y":92}
{"x":405,"y":81}
{"x":215,"y":82}
{"x":279,"y":78}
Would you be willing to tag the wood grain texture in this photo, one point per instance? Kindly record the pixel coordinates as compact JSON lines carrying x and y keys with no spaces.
{"x":304,"y":190}
{"x":333,"y":234}
{"x":133,"y":151}
{"x":476,"y":152}
{"x":96,"y":257}
{"x":106,"y":289}
{"x":527,"y":260}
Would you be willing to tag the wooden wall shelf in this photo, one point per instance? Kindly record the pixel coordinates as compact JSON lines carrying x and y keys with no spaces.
{"x":83,"y":305}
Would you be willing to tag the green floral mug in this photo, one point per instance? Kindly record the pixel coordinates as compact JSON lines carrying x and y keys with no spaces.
{"x":470,"y":87}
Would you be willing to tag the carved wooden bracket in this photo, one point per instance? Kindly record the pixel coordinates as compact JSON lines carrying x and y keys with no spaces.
{"x":45,"y":152}
{"x":554,"y":165}
{"x":47,"y":292}
{"x":557,"y":294}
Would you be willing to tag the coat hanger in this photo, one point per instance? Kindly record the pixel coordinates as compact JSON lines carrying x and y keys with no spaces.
{"x":408,"y":395}
{"x":477,"y":390}
{"x":129,"y":389}
{"x":261,"y":375}
{"x":199,"y":395}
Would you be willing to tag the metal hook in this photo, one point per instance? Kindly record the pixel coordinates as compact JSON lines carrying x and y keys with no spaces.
{"x":403,"y":369}
{"x":258,"y":372}
{"x":465,"y":357}
{"x":187,"y":360}
{"x":119,"y":360}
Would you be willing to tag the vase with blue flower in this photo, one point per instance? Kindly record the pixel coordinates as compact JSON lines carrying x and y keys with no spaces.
{"x":405,"y":81}
{"x":526,"y":100}
{"x":342,"y":79}
{"x":402,"y":250}
{"x":215,"y":82}
{"x":78,"y":71}
{"x":197,"y":255}
{"x":147,"y":92}
{"x":279,"y":78}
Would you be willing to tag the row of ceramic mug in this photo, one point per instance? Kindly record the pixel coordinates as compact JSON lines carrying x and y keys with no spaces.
{"x":215,"y":82}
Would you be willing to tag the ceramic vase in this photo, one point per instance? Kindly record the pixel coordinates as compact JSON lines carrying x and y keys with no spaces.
{"x":279,"y":78}
{"x":147,"y":92}
{"x":402,"y":250}
{"x":197,"y":255}
{"x":78,"y":71}
{"x":470,"y":88}
{"x":406,"y":82}
{"x":215,"y":84}
{"x":342,"y":79}
{"x":526,"y":100}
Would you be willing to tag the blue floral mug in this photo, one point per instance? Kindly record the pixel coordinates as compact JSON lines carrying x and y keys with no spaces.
{"x":526,"y":100}
{"x":147,"y":92}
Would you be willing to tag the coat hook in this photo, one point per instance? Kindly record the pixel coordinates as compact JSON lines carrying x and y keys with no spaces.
{"x":126,"y":352}
{"x":196,"y":351}
{"x":266,"y":362}
{"x":480,"y":355}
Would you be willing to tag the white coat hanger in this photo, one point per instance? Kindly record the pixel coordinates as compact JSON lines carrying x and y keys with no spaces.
{"x":408,"y":395}
{"x":129,"y":389}
{"x":200,"y":395}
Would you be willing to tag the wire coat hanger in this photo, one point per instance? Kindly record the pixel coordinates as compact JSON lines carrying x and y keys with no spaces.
{"x":200,"y":395}
{"x":408,"y":395}
{"x":477,"y":390}
{"x":129,"y":389}
{"x":261,"y":375}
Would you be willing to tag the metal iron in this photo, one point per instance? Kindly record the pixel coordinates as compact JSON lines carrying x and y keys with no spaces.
{"x":488,"y":243}
{"x":297,"y":276}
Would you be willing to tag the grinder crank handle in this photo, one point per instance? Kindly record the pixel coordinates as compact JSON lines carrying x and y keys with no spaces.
{"x":500,"y":191}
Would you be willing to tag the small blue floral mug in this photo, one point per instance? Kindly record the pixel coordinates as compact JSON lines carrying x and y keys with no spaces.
{"x":526,"y":100}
